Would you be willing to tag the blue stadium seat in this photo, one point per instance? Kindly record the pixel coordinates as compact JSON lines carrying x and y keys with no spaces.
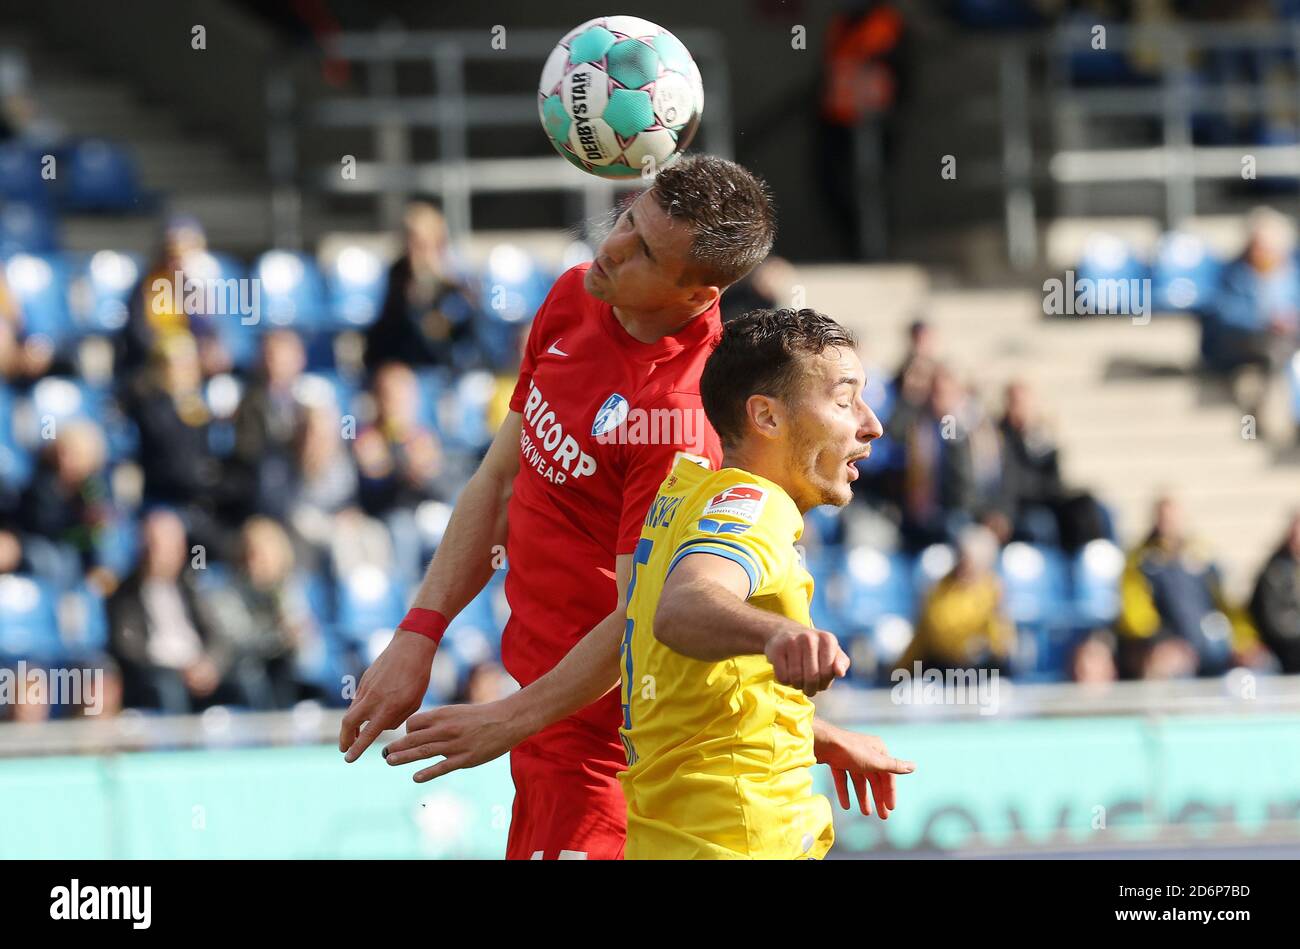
{"x":101,"y":290}
{"x":435,"y":384}
{"x":1036,"y":584}
{"x":356,"y":282}
{"x":118,"y":547}
{"x":16,"y":461}
{"x":39,"y":282}
{"x":822,"y":564}
{"x":27,"y":228}
{"x":83,"y":623}
{"x":1037,"y":599}
{"x":28,"y":629}
{"x":369,"y":601}
{"x":292,"y":290}
{"x":21,"y":166}
{"x":878,"y":585}
{"x":513,"y":286}
{"x":462,"y":413}
{"x":931,"y":565}
{"x":1095,"y":574}
{"x":100,"y":176}
{"x":1293,"y":382}
{"x":1185,"y":273}
{"x":1111,"y":259}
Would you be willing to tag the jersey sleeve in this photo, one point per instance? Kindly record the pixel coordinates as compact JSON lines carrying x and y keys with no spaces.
{"x":751,"y":525}
{"x":536,"y":338}
{"x":648,"y":461}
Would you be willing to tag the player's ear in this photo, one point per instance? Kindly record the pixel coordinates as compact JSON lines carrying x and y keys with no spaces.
{"x":705,"y":297}
{"x":764,"y":414}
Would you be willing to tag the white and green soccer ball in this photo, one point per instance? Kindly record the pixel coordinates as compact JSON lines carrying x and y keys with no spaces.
{"x":620,"y":96}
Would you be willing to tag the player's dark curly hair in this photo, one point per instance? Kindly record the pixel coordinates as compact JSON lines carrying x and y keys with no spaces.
{"x":760,"y":353}
{"x":729,"y":210}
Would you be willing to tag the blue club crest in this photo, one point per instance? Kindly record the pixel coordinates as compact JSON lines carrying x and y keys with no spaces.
{"x":610,"y":416}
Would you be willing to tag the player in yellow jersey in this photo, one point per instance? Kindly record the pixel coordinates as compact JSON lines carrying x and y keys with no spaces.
{"x":719,"y":656}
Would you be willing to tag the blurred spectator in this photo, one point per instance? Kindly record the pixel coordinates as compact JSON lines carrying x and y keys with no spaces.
{"x":401,"y":463}
{"x":1275,"y":604}
{"x":319,"y":501}
{"x":267,"y":418}
{"x":169,"y":653}
{"x":1033,"y":497}
{"x":938,"y":492}
{"x":67,"y":508}
{"x":428,"y":308}
{"x":11,"y":551}
{"x":1252,"y":327}
{"x":265,"y":615}
{"x":923,"y":348}
{"x":767,"y":286}
{"x":863,"y":65}
{"x":158,"y":305}
{"x":486,"y":682}
{"x":1092,"y":662}
{"x":1174,"y":621}
{"x":961,"y":622}
{"x":22,"y":358}
{"x":180,"y":469}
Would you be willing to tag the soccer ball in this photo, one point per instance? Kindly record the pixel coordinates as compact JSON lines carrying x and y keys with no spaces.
{"x":620,"y":96}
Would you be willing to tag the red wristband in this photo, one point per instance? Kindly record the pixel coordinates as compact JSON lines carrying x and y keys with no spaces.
{"x":429,"y":623}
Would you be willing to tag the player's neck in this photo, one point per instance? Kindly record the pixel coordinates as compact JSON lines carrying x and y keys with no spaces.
{"x":650,"y":326}
{"x":765,"y":466}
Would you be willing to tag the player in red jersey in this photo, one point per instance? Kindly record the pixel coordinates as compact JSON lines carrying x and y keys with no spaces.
{"x":608,"y":395}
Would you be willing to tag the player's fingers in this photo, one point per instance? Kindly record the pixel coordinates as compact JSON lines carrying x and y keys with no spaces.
{"x":352,"y":722}
{"x":842,"y":787}
{"x":888,"y":786}
{"x":421,"y":720}
{"x":880,"y":792}
{"x":860,"y":787}
{"x":372,"y":730}
{"x":419,"y":752}
{"x":885,"y":762}
{"x":792,"y":659}
{"x":826,"y":662}
{"x":445,"y":766}
{"x":841,"y":662}
{"x":808,"y":657}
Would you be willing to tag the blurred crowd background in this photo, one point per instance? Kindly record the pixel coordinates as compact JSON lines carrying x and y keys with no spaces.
{"x":222,"y":512}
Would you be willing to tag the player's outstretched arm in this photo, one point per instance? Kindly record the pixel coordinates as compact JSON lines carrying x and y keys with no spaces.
{"x":703,"y":614}
{"x":393,"y":687}
{"x":470,"y":735}
{"x":862,"y":759}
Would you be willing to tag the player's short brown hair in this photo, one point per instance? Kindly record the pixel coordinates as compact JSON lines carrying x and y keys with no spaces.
{"x":761,"y":353}
{"x":730,"y":213}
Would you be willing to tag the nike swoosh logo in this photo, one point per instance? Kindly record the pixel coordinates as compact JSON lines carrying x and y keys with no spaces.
{"x":556,"y":351}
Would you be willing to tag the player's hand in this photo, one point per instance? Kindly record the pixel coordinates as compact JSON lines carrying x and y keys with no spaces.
{"x":465,"y":735}
{"x":862,"y":759}
{"x":807,"y":659}
{"x":389,"y":693}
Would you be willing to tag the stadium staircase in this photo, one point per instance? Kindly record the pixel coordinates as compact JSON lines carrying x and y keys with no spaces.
{"x":1130,"y":415}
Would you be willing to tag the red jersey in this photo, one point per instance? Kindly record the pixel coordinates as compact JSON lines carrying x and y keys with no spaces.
{"x":604,"y":417}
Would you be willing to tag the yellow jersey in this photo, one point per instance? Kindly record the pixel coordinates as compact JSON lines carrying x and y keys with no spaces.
{"x":719,"y":754}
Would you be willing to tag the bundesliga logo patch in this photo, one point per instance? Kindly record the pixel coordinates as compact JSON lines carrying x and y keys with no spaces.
{"x":744,"y":501}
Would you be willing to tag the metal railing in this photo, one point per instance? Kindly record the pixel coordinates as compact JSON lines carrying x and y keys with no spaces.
{"x":455,"y":175}
{"x":1171,"y":103}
